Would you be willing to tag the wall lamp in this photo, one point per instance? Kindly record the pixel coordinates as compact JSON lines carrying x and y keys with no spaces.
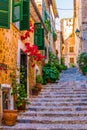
{"x":78,"y":33}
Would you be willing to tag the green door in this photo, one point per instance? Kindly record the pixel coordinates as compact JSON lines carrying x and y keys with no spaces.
{"x":23,"y":69}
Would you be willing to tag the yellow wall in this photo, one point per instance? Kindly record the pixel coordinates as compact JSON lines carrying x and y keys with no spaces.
{"x":8,"y":54}
{"x":8,"y":50}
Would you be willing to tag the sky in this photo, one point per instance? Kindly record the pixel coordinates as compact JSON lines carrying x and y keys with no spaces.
{"x":65,"y":10}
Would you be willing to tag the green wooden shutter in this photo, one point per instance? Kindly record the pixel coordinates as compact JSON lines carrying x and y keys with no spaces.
{"x":17,"y":10}
{"x":43,"y":44}
{"x":45,"y":16}
{"x":39,"y":37}
{"x":5,"y":14}
{"x":25,"y":23}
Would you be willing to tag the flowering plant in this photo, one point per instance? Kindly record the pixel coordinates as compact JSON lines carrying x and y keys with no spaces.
{"x":27,"y":34}
{"x":3,"y":67}
{"x":32,"y":50}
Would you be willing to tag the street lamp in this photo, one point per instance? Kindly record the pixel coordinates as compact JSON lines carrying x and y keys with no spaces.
{"x":78,"y":33}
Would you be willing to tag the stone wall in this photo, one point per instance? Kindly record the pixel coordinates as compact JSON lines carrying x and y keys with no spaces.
{"x":8,"y":54}
{"x":84,"y":25}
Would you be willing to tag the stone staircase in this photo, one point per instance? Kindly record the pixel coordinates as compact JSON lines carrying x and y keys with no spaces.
{"x":59,"y":106}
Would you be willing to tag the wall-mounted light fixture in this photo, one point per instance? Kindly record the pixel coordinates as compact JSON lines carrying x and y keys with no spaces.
{"x":78,"y":35}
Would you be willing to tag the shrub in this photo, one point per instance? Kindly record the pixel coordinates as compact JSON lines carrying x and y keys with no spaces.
{"x":50,"y":72}
{"x":39,"y":79}
{"x":82,"y":62}
{"x":54,"y":36}
{"x":73,"y":65}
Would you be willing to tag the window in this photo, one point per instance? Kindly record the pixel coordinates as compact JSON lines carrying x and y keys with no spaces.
{"x":17,"y":9}
{"x":71,"y":60}
{"x":39,"y":36}
{"x":71,"y":49}
{"x":20,"y":13}
{"x":5,"y":14}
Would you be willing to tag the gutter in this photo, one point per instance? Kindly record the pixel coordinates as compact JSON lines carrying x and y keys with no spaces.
{"x":38,"y":13}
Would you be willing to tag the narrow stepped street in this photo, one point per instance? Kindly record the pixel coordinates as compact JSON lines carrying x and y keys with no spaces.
{"x":59,"y":106}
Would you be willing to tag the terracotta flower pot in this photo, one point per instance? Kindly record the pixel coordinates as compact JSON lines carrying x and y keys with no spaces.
{"x":39,"y":86}
{"x":35,"y":92}
{"x":10,"y":117}
{"x":23,"y":106}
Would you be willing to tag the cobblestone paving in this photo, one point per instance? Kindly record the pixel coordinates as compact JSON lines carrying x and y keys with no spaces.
{"x":59,"y":106}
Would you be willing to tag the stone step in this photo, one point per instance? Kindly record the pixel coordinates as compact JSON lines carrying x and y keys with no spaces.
{"x":56,"y":99}
{"x":63,"y":96}
{"x":64,"y":90}
{"x":58,"y":108}
{"x":40,"y":126}
{"x":69,"y":103}
{"x":53,"y":113}
{"x":53,"y":120}
{"x":58,"y":93}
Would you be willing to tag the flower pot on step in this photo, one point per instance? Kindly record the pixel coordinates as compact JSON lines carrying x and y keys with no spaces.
{"x":10,"y":117}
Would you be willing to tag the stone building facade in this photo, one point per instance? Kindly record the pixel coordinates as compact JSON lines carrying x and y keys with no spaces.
{"x":12,"y":49}
{"x":80,"y":23}
{"x":69,"y":46}
{"x":12,"y":54}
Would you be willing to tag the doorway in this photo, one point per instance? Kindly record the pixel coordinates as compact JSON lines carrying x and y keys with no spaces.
{"x":23,"y":68}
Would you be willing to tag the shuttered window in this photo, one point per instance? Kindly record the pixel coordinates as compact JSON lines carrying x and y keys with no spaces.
{"x":5,"y":14}
{"x":25,"y":23}
{"x":17,"y":10}
{"x":39,"y":36}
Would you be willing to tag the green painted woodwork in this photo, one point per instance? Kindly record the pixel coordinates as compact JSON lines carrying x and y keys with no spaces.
{"x":25,"y":23}
{"x":5,"y":14}
{"x":39,"y":36}
{"x":17,"y":10}
{"x":45,"y":16}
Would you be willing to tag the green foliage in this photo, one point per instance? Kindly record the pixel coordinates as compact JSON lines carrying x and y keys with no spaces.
{"x":39,"y":79}
{"x":53,"y":60}
{"x":48,"y":25}
{"x":50,"y":72}
{"x":82,"y":62}
{"x":62,"y":61}
{"x":18,"y":89}
{"x":73,"y":65}
{"x":64,"y":67}
{"x":54,"y":36}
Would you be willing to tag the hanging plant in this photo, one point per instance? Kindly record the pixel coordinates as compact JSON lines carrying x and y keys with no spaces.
{"x":27,"y":34}
{"x":32,"y":51}
{"x":48,"y":25}
{"x":54,"y":36}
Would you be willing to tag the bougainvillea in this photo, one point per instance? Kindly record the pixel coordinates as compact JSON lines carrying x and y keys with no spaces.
{"x":27,"y":34}
{"x":3,"y":67}
{"x":32,"y":50}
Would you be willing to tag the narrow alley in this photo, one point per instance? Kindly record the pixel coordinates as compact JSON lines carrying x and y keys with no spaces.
{"x":59,"y":106}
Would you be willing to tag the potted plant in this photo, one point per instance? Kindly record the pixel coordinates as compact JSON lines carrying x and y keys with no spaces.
{"x":9,"y":115}
{"x":39,"y":81}
{"x":19,"y":93}
{"x":20,"y":96}
{"x":35,"y":90}
{"x":20,"y":99}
